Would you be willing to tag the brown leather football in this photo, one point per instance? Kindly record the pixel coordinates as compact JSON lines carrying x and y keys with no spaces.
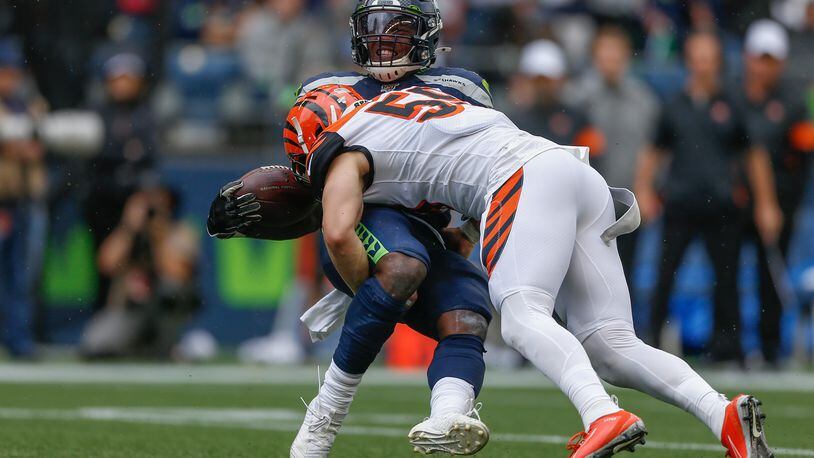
{"x":287,"y":205}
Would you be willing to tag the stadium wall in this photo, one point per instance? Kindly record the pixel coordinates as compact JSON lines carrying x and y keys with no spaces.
{"x":243,"y":281}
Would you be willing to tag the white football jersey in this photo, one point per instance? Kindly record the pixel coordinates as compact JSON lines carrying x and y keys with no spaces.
{"x":428,"y":148}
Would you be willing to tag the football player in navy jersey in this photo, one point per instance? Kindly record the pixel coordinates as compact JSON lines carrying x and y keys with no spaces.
{"x":396,"y":41}
{"x":420,"y":274}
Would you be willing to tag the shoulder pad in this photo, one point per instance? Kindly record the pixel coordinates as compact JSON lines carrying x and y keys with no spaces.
{"x":343,"y":78}
{"x":468,"y":83}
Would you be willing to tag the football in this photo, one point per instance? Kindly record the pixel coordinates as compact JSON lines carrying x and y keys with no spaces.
{"x":287,"y":205}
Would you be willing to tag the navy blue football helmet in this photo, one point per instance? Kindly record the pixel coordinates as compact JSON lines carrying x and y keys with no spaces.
{"x":393,"y":38}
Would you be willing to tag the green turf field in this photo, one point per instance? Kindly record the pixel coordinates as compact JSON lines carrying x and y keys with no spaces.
{"x":230,"y":419}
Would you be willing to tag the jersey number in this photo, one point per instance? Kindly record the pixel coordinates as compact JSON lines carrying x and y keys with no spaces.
{"x":438,"y":105}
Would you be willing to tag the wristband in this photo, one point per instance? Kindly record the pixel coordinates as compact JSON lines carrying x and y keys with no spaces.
{"x":471,"y":231}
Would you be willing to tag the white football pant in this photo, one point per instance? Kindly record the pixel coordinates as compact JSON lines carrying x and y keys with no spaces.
{"x":542,"y":245}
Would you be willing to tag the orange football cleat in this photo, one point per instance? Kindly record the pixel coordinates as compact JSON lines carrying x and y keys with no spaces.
{"x":608,"y":435}
{"x":742,"y":433}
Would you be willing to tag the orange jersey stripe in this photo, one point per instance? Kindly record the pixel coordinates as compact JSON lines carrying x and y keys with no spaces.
{"x":502,"y":230}
{"x":500,"y":219}
{"x":502,"y":193}
{"x":499,"y":198}
{"x":504,"y":189}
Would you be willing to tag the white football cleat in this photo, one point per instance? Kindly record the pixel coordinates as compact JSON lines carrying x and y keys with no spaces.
{"x":455,"y":434}
{"x":317,"y":433}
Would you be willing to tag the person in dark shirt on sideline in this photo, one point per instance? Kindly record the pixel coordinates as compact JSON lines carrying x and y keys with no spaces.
{"x":540,"y":108}
{"x":625,"y":110}
{"x":704,"y":131}
{"x":779,"y":125}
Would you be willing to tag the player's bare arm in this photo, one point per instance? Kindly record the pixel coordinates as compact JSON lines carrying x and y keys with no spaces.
{"x":650,"y":159}
{"x":768,"y":217}
{"x":342,"y":209}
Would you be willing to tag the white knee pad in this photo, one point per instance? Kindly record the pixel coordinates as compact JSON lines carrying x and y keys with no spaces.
{"x":620,"y":358}
{"x":620,"y":337}
{"x":610,"y":350}
{"x":519,"y":311}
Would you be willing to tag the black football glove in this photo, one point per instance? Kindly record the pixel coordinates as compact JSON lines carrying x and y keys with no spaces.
{"x":229,"y":214}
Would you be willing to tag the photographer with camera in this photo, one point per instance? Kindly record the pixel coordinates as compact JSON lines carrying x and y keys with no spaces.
{"x":150,"y":261}
{"x":129,"y":150}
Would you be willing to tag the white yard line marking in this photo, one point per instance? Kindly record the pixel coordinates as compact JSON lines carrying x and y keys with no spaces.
{"x":287,"y":420}
{"x":161,"y":374}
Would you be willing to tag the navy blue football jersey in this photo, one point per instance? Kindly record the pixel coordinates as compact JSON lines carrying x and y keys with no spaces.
{"x":457,"y":82}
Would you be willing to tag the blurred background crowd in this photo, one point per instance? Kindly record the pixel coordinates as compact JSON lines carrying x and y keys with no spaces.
{"x":119,"y":120}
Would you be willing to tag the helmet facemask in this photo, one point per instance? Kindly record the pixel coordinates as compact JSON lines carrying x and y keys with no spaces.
{"x":391,"y":42}
{"x":298,"y":158}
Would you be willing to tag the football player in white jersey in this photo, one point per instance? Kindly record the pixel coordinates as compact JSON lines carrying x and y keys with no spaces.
{"x":548,"y":231}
